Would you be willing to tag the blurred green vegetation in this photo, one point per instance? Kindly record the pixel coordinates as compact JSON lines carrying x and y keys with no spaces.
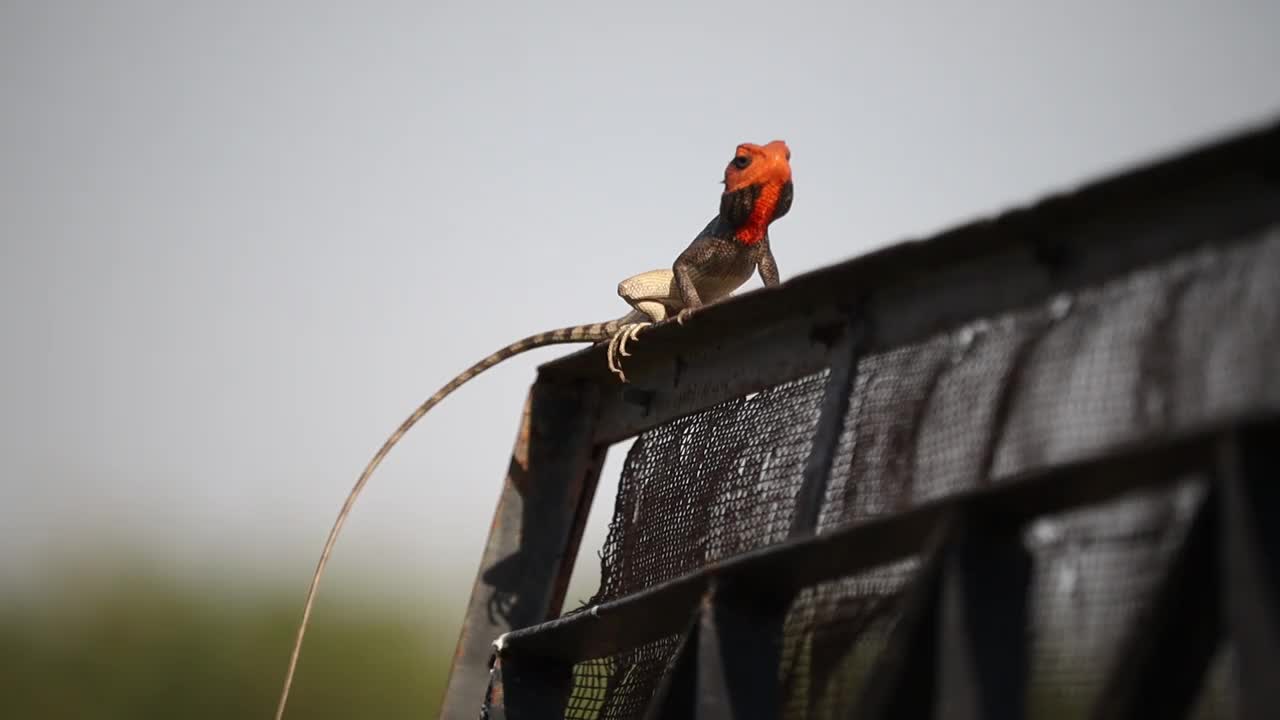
{"x":132,"y":641}
{"x":136,"y":643}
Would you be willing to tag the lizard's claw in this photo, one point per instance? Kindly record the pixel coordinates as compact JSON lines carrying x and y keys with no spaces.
{"x":629,"y":335}
{"x":683,"y":315}
{"x":618,"y":346}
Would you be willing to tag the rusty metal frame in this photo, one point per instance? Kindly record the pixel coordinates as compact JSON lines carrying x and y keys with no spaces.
{"x":961,"y":640}
{"x":823,"y":319}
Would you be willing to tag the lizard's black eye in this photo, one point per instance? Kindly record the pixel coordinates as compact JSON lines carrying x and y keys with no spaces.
{"x":741,"y":162}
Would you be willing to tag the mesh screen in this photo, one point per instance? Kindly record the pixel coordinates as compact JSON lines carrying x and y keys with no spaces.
{"x":1193,"y":340}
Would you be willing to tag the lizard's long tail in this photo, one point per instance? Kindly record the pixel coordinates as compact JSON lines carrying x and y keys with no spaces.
{"x":579,"y":333}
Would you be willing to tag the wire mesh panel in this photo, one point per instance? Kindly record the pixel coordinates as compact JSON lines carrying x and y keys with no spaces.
{"x":709,"y":486}
{"x":1182,"y":344}
{"x":619,"y":686}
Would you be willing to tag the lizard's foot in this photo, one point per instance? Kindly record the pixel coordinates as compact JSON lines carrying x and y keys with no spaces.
{"x":683,"y":315}
{"x":629,"y":334}
{"x":618,"y":346}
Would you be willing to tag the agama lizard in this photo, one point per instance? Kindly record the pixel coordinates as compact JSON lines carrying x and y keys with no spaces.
{"x":720,"y":259}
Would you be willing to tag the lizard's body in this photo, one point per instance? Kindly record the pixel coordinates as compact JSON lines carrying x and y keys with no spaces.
{"x":733,"y":246}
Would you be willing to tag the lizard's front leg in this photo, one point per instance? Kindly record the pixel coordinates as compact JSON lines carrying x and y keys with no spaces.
{"x":685,"y":288}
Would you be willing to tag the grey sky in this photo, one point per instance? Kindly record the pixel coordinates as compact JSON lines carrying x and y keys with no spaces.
{"x":242,"y":240}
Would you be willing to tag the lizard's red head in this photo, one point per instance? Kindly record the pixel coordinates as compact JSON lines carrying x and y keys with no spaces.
{"x":757,"y":189}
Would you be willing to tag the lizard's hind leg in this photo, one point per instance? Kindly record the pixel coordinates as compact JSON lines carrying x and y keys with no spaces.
{"x":629,"y":332}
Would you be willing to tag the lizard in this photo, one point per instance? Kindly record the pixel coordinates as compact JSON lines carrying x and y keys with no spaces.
{"x":732,"y":247}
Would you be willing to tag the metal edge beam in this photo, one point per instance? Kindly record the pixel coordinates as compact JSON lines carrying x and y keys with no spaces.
{"x":536,"y":529}
{"x":524,"y":690}
{"x":983,"y":623}
{"x":1249,"y":477}
{"x":739,"y":651}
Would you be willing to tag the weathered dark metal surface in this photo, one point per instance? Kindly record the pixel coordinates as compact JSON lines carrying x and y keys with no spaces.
{"x":1250,"y":563}
{"x":739,"y":642}
{"x":535,"y":533}
{"x":983,"y":624}
{"x":527,"y":689}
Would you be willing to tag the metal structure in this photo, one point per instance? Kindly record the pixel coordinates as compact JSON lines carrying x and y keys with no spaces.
{"x":1101,"y":362}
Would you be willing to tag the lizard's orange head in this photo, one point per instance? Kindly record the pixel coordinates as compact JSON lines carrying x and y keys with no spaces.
{"x":758,"y":165}
{"x":757,"y":189}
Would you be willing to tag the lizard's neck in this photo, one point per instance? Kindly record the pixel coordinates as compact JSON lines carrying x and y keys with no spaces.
{"x":756,"y":225}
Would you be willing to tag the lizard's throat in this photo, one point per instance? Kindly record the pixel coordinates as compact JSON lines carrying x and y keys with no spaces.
{"x":753,"y":229}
